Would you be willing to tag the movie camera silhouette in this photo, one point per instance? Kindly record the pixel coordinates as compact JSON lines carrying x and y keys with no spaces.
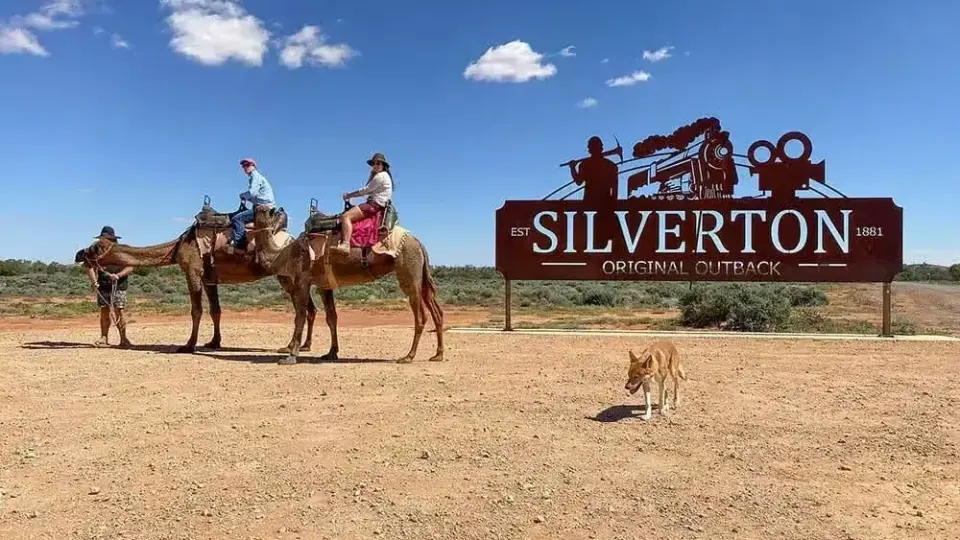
{"x":781,"y":174}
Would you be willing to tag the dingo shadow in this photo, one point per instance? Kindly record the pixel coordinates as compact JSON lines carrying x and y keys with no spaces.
{"x":274,"y":358}
{"x":617,"y":413}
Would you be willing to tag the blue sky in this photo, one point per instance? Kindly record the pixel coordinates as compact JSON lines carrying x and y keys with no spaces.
{"x":120,"y":113}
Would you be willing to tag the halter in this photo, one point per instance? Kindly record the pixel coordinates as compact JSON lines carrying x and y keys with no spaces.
{"x":95,"y":263}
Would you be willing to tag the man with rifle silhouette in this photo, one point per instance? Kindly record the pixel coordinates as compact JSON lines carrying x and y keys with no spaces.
{"x":600,"y":174}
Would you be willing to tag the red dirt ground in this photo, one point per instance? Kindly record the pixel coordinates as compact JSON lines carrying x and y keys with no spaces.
{"x":514,"y":436}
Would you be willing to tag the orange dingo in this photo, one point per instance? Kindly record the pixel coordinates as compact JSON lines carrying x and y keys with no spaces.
{"x":656,"y":362}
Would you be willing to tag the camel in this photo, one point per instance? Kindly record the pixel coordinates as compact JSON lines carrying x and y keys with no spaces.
{"x":231,"y":268}
{"x":297,"y":261}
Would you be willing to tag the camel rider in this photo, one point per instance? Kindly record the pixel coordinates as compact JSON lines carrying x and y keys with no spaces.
{"x":259,"y":193}
{"x":379,"y":191}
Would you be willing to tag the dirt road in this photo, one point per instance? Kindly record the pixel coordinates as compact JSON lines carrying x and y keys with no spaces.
{"x":513,"y":437}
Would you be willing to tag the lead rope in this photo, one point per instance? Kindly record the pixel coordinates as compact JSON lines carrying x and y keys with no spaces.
{"x":113,"y":295}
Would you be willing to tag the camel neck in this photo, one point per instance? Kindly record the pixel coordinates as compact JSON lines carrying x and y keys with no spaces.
{"x":157,"y":255}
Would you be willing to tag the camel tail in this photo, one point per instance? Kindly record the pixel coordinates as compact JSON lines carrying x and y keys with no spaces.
{"x":428,"y":292}
{"x":681,"y":372}
{"x":427,"y":286}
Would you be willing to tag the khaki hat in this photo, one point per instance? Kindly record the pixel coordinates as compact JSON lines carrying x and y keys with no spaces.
{"x":378,"y":157}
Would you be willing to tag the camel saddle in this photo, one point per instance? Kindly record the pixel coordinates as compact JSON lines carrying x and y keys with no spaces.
{"x":378,"y":234}
{"x":318,"y":222}
{"x":213,"y":230}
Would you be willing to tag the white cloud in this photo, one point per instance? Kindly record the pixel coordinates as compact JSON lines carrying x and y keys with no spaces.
{"x":605,"y":61}
{"x":17,"y":35}
{"x":588,"y":102}
{"x":630,"y":80}
{"x":308,"y":45}
{"x":568,"y":51}
{"x":54,"y":15}
{"x":20,"y":41}
{"x":97,"y":30}
{"x":660,"y":54}
{"x":213,"y":32}
{"x":118,"y":42}
{"x":511,"y":62}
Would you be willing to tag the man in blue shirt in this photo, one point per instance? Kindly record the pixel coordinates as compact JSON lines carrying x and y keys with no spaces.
{"x":259,"y":193}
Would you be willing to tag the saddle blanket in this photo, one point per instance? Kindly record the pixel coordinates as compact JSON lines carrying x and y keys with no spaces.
{"x":318,"y":244}
{"x":214,"y":240}
{"x":366,"y":231}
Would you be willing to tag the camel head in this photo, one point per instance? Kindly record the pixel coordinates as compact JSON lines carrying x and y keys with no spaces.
{"x":94,"y":252}
{"x":270,"y":219}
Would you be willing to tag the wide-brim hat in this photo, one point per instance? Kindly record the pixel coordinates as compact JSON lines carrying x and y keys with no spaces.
{"x":108,"y":233}
{"x":378,"y":157}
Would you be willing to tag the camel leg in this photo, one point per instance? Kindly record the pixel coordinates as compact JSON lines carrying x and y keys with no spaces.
{"x":288,"y":286}
{"x":196,"y":312}
{"x":411,"y":288}
{"x":300,"y":300}
{"x":311,"y":316}
{"x":436,"y":313}
{"x":330,"y":309}
{"x":213,"y":298}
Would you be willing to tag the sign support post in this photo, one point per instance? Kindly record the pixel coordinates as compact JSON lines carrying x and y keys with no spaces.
{"x":507,"y":324}
{"x":886,"y":329}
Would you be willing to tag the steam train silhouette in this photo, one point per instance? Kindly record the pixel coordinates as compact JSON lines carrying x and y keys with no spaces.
{"x":709,"y":171}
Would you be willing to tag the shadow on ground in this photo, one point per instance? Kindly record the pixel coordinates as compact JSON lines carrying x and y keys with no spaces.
{"x":617,"y":413}
{"x":49,"y":345}
{"x":274,"y":358}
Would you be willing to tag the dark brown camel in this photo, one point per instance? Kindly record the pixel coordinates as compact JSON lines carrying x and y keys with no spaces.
{"x":183,"y":251}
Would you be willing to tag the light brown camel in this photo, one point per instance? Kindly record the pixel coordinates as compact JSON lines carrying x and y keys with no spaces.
{"x":184,"y":252}
{"x":292,"y":260}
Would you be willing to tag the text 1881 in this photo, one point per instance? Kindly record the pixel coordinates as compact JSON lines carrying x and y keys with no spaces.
{"x":870,"y":231}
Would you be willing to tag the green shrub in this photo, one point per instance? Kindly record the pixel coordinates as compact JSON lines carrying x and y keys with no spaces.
{"x":800,"y":296}
{"x":599,"y":296}
{"x":702,"y":307}
{"x":754,"y":310}
{"x":743,"y":307}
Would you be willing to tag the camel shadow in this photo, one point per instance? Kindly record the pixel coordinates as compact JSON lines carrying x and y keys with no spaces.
{"x":168,"y":349}
{"x":617,"y":413}
{"x":49,"y":345}
{"x":274,"y":358}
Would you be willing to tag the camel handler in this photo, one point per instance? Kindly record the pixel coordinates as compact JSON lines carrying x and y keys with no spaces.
{"x":109,"y":286}
{"x":379,"y":191}
{"x":259,"y":193}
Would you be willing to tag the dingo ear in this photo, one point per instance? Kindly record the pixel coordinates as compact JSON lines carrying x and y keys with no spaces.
{"x":633,"y":359}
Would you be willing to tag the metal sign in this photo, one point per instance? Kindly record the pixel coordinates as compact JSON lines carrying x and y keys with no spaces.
{"x":692,"y":228}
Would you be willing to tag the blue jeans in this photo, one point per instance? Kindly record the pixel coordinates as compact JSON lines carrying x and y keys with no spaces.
{"x":238,"y":222}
